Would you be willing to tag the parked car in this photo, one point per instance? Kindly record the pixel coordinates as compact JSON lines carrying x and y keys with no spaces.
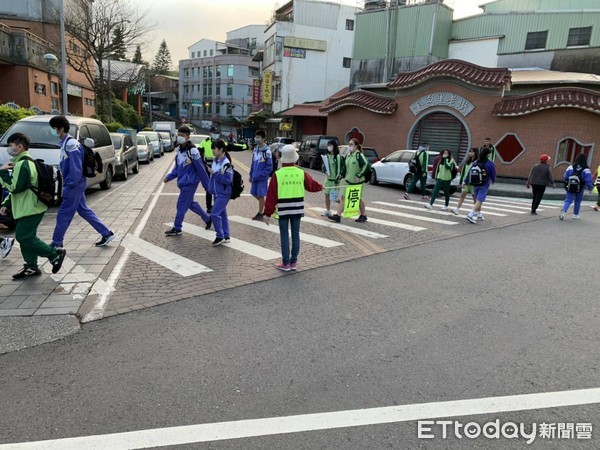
{"x":157,"y":143}
{"x":144,"y":149}
{"x":126,"y":156}
{"x":394,"y":169}
{"x":167,"y":142}
{"x":312,"y":148}
{"x":279,"y":142}
{"x":46,"y":147}
{"x":369,"y":153}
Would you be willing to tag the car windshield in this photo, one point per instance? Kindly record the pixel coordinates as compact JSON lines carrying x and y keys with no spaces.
{"x":152,"y":137}
{"x":165,"y":136}
{"x":38,"y":133}
{"x":369,"y":152}
{"x":141,"y":140}
{"x":116,"y":141}
{"x":197,"y":139}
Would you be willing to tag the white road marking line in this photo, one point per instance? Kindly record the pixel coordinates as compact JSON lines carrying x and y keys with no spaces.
{"x":200,"y":194}
{"x":487,"y":208}
{"x":431,"y":211}
{"x":491,"y":203}
{"x":169,"y":260}
{"x":503,"y":200}
{"x":338,"y":226}
{"x":310,"y":238}
{"x":387,"y":223}
{"x":218,"y":431}
{"x":410,"y":216}
{"x":235,"y":244}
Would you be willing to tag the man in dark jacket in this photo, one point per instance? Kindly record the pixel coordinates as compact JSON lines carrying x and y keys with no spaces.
{"x":539,"y":177}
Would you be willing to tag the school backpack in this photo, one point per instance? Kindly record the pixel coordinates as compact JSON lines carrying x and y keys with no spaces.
{"x":477,"y":175}
{"x":237,"y":186}
{"x":414,"y":165}
{"x":91,"y":162}
{"x":362,"y":160}
{"x":574,"y":182}
{"x":50,"y":183}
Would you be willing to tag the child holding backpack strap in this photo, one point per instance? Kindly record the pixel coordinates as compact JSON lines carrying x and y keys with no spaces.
{"x":486,"y":171}
{"x":577,"y":177}
{"x":445,"y":171}
{"x":219,"y":185}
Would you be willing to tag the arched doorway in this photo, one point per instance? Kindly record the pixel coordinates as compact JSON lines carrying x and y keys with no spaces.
{"x":442,"y":130}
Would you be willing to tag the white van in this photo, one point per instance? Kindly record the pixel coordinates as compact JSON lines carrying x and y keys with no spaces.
{"x":46,"y":147}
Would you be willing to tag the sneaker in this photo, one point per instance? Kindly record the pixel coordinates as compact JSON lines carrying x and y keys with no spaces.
{"x":173,"y":232}
{"x":428,"y":206}
{"x":26,"y":272}
{"x":444,"y":208}
{"x":58,"y":261}
{"x":533,"y":213}
{"x":425,"y":197}
{"x":283,"y":267}
{"x":471,"y":219}
{"x":293,"y":266}
{"x":406,"y":196}
{"x":361,"y":219}
{"x":226,"y":240}
{"x":561,"y":216}
{"x":326,"y":213}
{"x":456,"y":211}
{"x":6,"y":246}
{"x":258,"y":217}
{"x":105,"y":239}
{"x":208,"y":224}
{"x":480,"y":217}
{"x":335,"y":218}
{"x":576,"y":216}
{"x":218,"y":241}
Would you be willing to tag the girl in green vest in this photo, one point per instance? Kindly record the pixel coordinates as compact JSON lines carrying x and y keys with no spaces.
{"x":336,"y":166}
{"x":466,"y":188}
{"x":444,"y":172}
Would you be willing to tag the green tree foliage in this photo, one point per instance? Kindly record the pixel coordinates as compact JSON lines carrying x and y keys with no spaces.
{"x":113,"y":126}
{"x":8,"y":116}
{"x":125,"y":114}
{"x":118,"y":44}
{"x":137,"y":56}
{"x":162,"y":61}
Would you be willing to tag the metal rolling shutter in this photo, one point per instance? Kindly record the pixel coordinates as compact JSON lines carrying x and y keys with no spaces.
{"x":442,"y":130}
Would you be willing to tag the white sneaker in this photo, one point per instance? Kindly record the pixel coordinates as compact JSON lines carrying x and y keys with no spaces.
{"x":576,"y":216}
{"x":444,"y":208}
{"x":480,"y":217}
{"x":326,"y":213}
{"x":6,"y":246}
{"x":561,"y":216}
{"x":455,"y":211}
{"x":428,"y":206}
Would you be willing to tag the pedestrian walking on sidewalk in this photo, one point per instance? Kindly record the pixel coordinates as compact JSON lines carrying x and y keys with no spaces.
{"x":74,"y":186}
{"x":539,"y":177}
{"x":219,"y":185}
{"x":27,"y":209}
{"x":190,"y":171}
{"x":444,"y":174}
{"x":596,"y":176}
{"x":260,"y":171}
{"x":355,"y":168}
{"x":336,"y":166}
{"x":481,"y":175}
{"x":421,"y":159}
{"x":286,"y":194}
{"x":466,"y":189}
{"x":577,"y":177}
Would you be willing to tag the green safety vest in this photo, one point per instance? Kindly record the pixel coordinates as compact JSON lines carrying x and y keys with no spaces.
{"x":207,"y":146}
{"x":290,"y":191}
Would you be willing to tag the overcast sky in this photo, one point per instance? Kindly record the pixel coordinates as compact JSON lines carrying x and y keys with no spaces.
{"x":184,"y":22}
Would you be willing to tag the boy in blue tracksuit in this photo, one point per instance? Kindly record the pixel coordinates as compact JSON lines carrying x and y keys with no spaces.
{"x":189,"y":171}
{"x":580,"y":169}
{"x":219,"y":185}
{"x":74,"y":185}
{"x":260,"y":171}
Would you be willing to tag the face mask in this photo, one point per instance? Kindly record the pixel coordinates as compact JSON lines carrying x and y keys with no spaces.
{"x":12,"y":151}
{"x":181,"y":140}
{"x":53,"y":132}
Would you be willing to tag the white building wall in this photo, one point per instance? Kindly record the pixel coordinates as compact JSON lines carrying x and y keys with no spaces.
{"x":249,"y":32}
{"x":483,"y":52}
{"x":198,"y":49}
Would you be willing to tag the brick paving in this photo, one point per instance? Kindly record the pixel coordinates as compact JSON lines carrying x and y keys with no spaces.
{"x":143,"y":283}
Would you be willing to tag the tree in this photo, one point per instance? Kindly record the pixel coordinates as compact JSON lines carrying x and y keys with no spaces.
{"x":162,"y":61}
{"x":90,"y":27}
{"x":137,"y":56}
{"x":119,"y":52}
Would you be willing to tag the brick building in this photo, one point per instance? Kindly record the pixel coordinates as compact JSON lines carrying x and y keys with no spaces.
{"x":455,"y":104}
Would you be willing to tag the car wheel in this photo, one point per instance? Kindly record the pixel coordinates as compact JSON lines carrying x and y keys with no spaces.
{"x":407,"y":180}
{"x":136,"y":168}
{"x":150,"y":157}
{"x":373,"y":179}
{"x":125,"y":174}
{"x":107,"y":183}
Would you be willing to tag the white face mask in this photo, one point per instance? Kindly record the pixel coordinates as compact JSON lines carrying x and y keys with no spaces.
{"x":181,"y":140}
{"x":12,"y":151}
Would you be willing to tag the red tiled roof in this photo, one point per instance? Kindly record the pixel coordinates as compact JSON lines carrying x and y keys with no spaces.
{"x":362,"y":99}
{"x":465,"y":71}
{"x":549,"y":98}
{"x":310,"y":110}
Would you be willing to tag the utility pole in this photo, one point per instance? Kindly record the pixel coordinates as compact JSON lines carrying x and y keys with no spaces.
{"x":63,"y":60}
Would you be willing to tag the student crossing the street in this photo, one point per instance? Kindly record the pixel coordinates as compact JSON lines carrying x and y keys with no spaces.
{"x":219,"y":185}
{"x":481,"y":175}
{"x":466,"y":189}
{"x":578,"y":176}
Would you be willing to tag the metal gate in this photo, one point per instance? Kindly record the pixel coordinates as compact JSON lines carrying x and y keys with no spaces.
{"x":442,"y":130}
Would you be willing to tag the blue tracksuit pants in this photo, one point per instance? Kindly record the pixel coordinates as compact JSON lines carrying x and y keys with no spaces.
{"x":74,"y":202}
{"x":186,"y":202}
{"x":219,"y":216}
{"x":571,"y":197}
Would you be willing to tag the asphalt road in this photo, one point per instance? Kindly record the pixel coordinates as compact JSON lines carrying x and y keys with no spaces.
{"x":499,"y":312}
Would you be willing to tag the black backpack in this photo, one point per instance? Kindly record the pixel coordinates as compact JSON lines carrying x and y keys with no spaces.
{"x":50,"y":182}
{"x":237,"y":186}
{"x":477,"y":175}
{"x":414,"y":165}
{"x":91,"y":161}
{"x":574,"y":182}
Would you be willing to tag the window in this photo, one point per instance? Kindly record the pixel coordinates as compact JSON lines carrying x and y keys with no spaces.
{"x":230,"y":89}
{"x":186,"y":72}
{"x":209,"y":68}
{"x":204,"y":52}
{"x":347,"y":63}
{"x":205,"y":72}
{"x":579,"y":36}
{"x":229,"y":108}
{"x":509,"y":148}
{"x":569,"y":148}
{"x":536,"y":40}
{"x":218,"y":89}
{"x":206,"y":108}
{"x":193,"y":54}
{"x":211,"y":52}
{"x":349,"y":25}
{"x":53,"y":87}
{"x":55,"y":103}
{"x":230,"y":70}
{"x":276,"y":91}
{"x":218,"y":71}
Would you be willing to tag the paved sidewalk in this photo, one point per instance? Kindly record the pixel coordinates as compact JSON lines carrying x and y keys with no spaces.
{"x":518,"y":190}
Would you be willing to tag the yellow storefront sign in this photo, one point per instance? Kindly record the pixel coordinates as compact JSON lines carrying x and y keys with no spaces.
{"x":352,"y":200}
{"x":267,"y":88}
